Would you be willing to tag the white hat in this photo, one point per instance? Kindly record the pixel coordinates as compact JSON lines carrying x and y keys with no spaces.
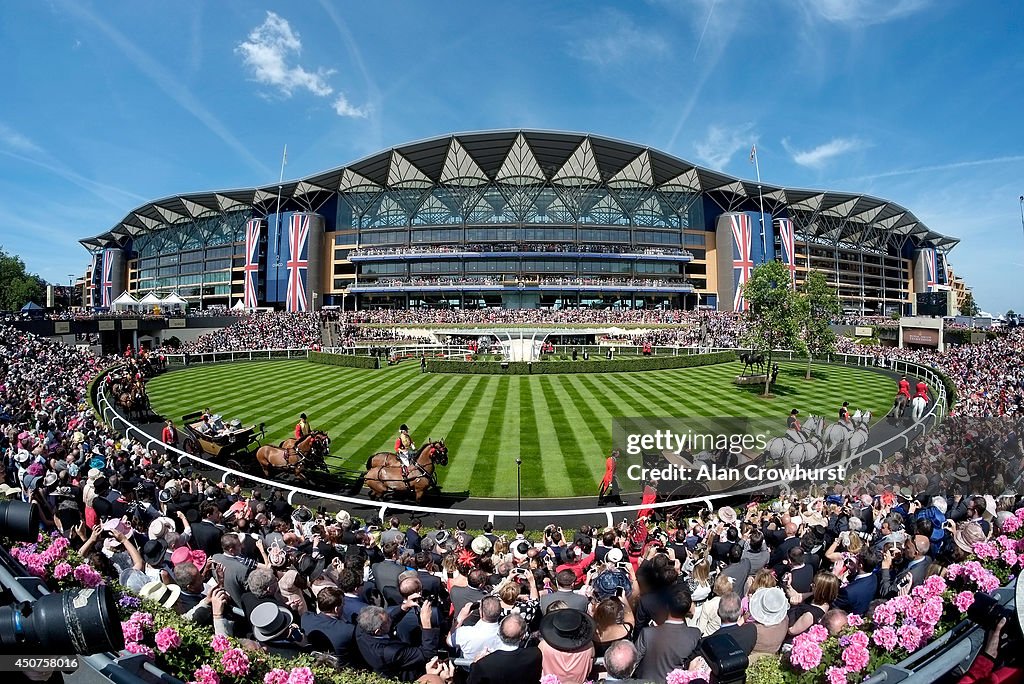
{"x":93,"y":473}
{"x":23,"y":456}
{"x":343,"y":517}
{"x":164,"y":594}
{"x":50,"y":479}
{"x":769,"y":606}
{"x":613,"y":556}
{"x":481,"y":545}
{"x":520,"y":547}
{"x":159,"y":527}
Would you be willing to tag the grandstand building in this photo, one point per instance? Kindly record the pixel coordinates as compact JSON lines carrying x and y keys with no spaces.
{"x":515,"y":219}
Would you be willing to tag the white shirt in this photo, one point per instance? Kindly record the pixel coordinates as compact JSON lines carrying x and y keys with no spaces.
{"x":475,"y":640}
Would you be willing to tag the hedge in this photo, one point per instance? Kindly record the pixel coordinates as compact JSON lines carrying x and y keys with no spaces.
{"x":594,"y":366}
{"x":350,"y":360}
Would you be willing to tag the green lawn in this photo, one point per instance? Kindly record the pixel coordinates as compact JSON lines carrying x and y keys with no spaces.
{"x":488,"y":420}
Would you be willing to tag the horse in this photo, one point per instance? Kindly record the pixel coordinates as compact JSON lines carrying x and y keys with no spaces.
{"x":846,"y":440}
{"x":750,"y":360}
{"x":919,"y":404}
{"x":899,"y":408}
{"x":791,"y":449}
{"x":381,"y":477}
{"x":134,"y":403}
{"x":309,"y":451}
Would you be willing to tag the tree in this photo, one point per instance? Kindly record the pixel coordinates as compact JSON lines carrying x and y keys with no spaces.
{"x":968,"y":307}
{"x":772,"y":320}
{"x":17,"y":286}
{"x":818,"y":305}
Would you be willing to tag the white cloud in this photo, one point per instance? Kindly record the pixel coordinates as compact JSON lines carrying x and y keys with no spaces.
{"x":859,"y":13}
{"x":343,"y":107}
{"x":821,"y":155}
{"x":14,"y":140}
{"x":626,"y":42}
{"x":721,"y":143}
{"x":267,"y":52}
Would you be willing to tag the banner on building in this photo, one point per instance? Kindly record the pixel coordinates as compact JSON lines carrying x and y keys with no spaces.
{"x":931,"y":268}
{"x":298,"y":262}
{"x":107,"y":282}
{"x":742,"y":257}
{"x":787,"y":239}
{"x":253,"y":233}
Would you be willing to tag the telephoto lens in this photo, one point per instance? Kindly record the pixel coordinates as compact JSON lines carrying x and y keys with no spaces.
{"x":987,"y":611}
{"x":79,"y":622}
{"x":19,"y":521}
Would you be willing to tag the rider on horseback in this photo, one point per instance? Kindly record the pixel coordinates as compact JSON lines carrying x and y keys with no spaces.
{"x":302,"y":429}
{"x":403,"y":447}
{"x":922,"y":390}
{"x":904,"y":388}
{"x":844,"y":416}
{"x":794,"y":430}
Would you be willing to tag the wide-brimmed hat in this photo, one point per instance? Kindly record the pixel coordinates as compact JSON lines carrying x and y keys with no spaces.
{"x":608,"y":582}
{"x":50,"y":479}
{"x":961,"y":474}
{"x":567,"y":629}
{"x":133,"y":579}
{"x":269,"y":621}
{"x":519,"y":548}
{"x":769,"y":606}
{"x":967,"y":535}
{"x":184,"y":554}
{"x":727,"y":514}
{"x":481,"y":545}
{"x":160,"y":526}
{"x":164,"y":594}
{"x":990,"y":507}
{"x":8,"y":490}
{"x":614,"y":555}
{"x":343,"y":517}
{"x":153,"y":551}
{"x":310,"y":567}
{"x":23,"y":456}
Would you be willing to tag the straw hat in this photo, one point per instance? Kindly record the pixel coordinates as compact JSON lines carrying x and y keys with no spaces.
{"x":164,"y":594}
{"x":769,"y":606}
{"x":967,"y":535}
{"x":727,"y":514}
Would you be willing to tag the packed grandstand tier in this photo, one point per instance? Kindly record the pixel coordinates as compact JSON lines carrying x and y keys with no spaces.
{"x":518,"y":219}
{"x":865,"y":572}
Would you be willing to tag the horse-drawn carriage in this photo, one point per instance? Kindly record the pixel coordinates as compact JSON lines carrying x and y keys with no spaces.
{"x":222,"y":443}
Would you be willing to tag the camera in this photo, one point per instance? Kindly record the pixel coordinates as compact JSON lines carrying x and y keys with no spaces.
{"x":987,"y":611}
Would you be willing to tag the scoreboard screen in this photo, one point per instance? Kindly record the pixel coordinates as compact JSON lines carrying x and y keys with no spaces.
{"x":933,"y":303}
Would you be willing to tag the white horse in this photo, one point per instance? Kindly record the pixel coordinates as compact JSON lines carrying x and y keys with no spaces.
{"x":919,"y":404}
{"x":797,"y":446}
{"x":845,"y":439}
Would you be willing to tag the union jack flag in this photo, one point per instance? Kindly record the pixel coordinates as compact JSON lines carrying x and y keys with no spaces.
{"x":298,"y":262}
{"x":742,"y":259}
{"x":787,"y":236}
{"x":94,"y":275}
{"x":931,"y":266}
{"x":107,"y":284}
{"x":253,"y":230}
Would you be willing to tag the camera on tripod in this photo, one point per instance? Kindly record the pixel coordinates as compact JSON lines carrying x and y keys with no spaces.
{"x":35,"y":622}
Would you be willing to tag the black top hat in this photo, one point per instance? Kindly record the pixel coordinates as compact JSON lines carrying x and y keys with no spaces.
{"x":403,"y":427}
{"x":567,"y":629}
{"x":310,"y":567}
{"x":153,"y":551}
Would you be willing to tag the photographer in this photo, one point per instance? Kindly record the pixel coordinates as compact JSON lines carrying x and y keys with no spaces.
{"x":989,"y":666}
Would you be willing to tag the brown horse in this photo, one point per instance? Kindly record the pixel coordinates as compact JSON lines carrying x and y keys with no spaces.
{"x":308,"y":452}
{"x":384,"y":477}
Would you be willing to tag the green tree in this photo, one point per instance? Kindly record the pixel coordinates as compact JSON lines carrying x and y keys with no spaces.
{"x":17,"y":286}
{"x":817,"y":306}
{"x":772,"y":314}
{"x":968,"y":307}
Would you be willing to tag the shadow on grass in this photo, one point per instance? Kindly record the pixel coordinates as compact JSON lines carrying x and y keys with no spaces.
{"x":791,"y":376}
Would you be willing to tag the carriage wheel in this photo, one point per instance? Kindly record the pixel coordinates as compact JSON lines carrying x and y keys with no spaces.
{"x":234,"y":465}
{"x":191,"y":447}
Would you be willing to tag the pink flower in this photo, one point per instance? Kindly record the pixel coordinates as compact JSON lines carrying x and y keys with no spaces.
{"x":854,"y":620}
{"x":220,"y":644}
{"x":276,"y":676}
{"x":139,"y":649}
{"x":206,"y":675}
{"x":910,"y":637}
{"x":235,"y":662}
{"x":142,"y":619}
{"x":884,"y":614}
{"x":836,"y":675}
{"x":931,"y":611}
{"x":964,"y":600}
{"x":1011,"y":524}
{"x":1010,"y":558}
{"x":300,"y":675}
{"x":859,"y":639}
{"x":36,"y":568}
{"x":817,"y":633}
{"x":167,"y":639}
{"x":935,"y":584}
{"x":132,"y":631}
{"x":986,"y":550}
{"x":885,"y":637}
{"x":87,"y":576}
{"x":674,"y":677}
{"x":553,"y":679}
{"x":62,"y":570}
{"x":806,"y":653}
{"x":856,"y":657}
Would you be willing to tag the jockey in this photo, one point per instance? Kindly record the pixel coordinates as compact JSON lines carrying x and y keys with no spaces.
{"x":904,"y":388}
{"x":844,"y":416}
{"x":922,"y":390}
{"x":302,"y":428}
{"x":794,"y":430}
{"x":403,"y":446}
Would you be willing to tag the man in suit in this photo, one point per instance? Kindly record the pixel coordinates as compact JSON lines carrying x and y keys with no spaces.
{"x":564,"y":582}
{"x":789,"y":541}
{"x":915,"y":555}
{"x":340,"y":634}
{"x":856,"y":596}
{"x":738,"y":568}
{"x":729,"y":611}
{"x":671,"y":644}
{"x":513,"y":662}
{"x":476,"y":590}
{"x":205,"y":534}
{"x":620,"y":660}
{"x":388,"y":655}
{"x":413,"y":538}
{"x":386,"y":572}
{"x":349,"y":582}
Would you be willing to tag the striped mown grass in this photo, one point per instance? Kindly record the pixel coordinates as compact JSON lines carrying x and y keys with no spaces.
{"x":560,"y":425}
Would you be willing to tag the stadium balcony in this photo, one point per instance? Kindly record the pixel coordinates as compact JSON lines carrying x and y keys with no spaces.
{"x":484,"y":251}
{"x":489,"y":284}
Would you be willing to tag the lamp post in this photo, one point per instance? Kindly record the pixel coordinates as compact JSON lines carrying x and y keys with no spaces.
{"x":519,"y":489}
{"x":71,"y":289}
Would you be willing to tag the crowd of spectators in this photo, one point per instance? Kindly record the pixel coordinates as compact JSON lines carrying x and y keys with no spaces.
{"x":568,"y":281}
{"x":265,"y":330}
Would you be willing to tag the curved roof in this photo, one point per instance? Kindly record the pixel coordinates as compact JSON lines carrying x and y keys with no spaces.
{"x":525,"y":157}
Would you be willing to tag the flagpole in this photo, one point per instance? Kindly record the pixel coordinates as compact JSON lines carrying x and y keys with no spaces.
{"x":760,"y":200}
{"x":277,"y":223}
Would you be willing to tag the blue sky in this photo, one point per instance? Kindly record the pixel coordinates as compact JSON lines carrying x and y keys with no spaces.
{"x":108,"y":105}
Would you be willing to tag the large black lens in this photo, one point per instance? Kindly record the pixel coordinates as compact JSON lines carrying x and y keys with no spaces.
{"x":83,"y":622}
{"x":987,"y":611}
{"x":19,"y":520}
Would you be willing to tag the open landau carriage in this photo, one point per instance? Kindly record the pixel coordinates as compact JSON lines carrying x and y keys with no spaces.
{"x":223,"y":444}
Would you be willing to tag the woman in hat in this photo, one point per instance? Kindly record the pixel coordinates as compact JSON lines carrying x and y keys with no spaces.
{"x":769,"y":609}
{"x":567,"y":645}
{"x":518,"y":594}
{"x":804,"y":614}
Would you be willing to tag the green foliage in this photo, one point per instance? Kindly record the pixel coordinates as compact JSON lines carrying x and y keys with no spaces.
{"x":350,"y":360}
{"x":595,"y":366}
{"x":817,"y":305}
{"x":773,"y":315}
{"x":968,"y":307}
{"x":766,"y":670}
{"x":17,"y":286}
{"x":173,"y":342}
